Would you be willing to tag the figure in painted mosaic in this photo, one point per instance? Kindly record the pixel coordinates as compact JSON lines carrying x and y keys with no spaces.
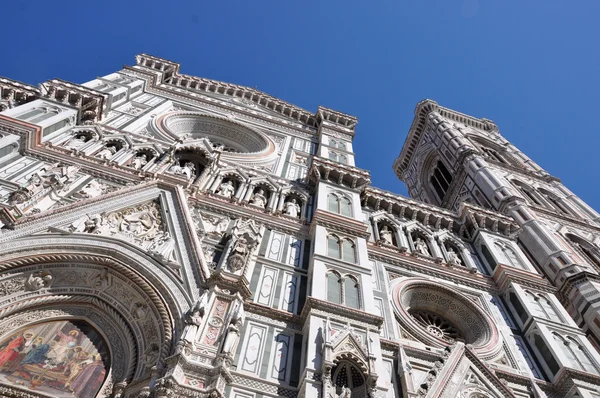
{"x":55,"y":358}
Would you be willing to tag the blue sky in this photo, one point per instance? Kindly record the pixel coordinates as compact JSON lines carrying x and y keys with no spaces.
{"x":533,"y":67}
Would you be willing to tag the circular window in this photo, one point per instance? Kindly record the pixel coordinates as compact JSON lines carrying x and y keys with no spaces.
{"x":439,"y":316}
{"x":234,"y":139}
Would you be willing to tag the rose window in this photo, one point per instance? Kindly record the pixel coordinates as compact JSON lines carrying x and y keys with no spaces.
{"x":438,"y":316}
{"x":436,"y":325}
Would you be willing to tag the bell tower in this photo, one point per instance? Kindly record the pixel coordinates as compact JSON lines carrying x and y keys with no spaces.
{"x":450,"y":158}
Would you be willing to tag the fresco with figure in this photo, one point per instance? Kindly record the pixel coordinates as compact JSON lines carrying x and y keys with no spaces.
{"x":61,"y":358}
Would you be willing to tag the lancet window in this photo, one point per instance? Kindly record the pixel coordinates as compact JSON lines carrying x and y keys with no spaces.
{"x":542,"y":307}
{"x":337,"y":203}
{"x":343,"y":290}
{"x":440,"y":179}
{"x":341,"y":248}
{"x":586,"y":250}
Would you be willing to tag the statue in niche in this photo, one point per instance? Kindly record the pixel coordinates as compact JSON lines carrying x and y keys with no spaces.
{"x":291,"y":208}
{"x":38,"y":280}
{"x":163,"y":247}
{"x":237,"y":258}
{"x":233,"y":331}
{"x":139,"y":161}
{"x":453,"y":258}
{"x":259,"y":199}
{"x":188,"y":169}
{"x":345,"y":393}
{"x":76,"y":142}
{"x":226,"y":189}
{"x":193,"y":320}
{"x":421,"y":247}
{"x":107,"y":152}
{"x":386,"y":235}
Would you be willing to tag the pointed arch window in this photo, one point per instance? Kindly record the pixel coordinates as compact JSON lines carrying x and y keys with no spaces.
{"x":510,"y":254}
{"x":333,"y":247}
{"x":343,"y":290}
{"x":334,"y":288}
{"x":546,"y":354}
{"x":339,"y":204}
{"x":555,"y":203}
{"x":343,"y":249}
{"x":351,"y":292}
{"x":340,"y":158}
{"x":586,"y":250}
{"x":581,"y":356}
{"x":541,"y":306}
{"x":348,"y":251}
{"x":488,"y":257}
{"x":441,"y":179}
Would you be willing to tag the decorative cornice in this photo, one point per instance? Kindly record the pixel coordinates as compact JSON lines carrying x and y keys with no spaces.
{"x":313,"y":303}
{"x":169,"y":75}
{"x":504,"y":275}
{"x":336,"y":222}
{"x":338,"y":173}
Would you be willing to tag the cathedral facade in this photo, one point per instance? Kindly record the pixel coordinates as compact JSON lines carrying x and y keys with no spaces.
{"x":164,"y":235}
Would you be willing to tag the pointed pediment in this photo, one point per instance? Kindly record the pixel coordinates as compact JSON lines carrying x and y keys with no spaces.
{"x":146,"y":219}
{"x":464,"y":374}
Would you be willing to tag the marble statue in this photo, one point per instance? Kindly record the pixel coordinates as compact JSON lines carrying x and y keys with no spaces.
{"x":107,"y":152}
{"x":139,"y":161}
{"x":226,"y":189}
{"x":453,"y":258}
{"x":421,"y":247}
{"x":386,"y":235}
{"x":259,"y":199}
{"x":76,"y":142}
{"x":163,"y":247}
{"x":291,"y":208}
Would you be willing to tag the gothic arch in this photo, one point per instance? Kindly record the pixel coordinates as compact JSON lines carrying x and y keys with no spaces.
{"x":101,"y":273}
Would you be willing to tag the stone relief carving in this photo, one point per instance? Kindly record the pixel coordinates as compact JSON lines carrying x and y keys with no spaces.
{"x":11,"y":286}
{"x":209,"y":224}
{"x":142,"y":225}
{"x":38,"y":280}
{"x":245,"y":238}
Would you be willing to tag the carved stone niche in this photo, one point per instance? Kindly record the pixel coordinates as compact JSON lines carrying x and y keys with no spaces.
{"x":188,"y":162}
{"x":241,"y":247}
